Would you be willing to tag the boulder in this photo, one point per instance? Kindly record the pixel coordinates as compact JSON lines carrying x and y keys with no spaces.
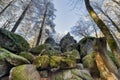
{"x":29,"y":56}
{"x":50,"y":41}
{"x":4,"y":68}
{"x":73,"y":74}
{"x":12,"y":58}
{"x":12,"y":41}
{"x":89,"y":63}
{"x":53,"y":44}
{"x":86,"y":45}
{"x":46,"y":61}
{"x":24,"y":72}
{"x":38,"y":49}
{"x":66,"y":42}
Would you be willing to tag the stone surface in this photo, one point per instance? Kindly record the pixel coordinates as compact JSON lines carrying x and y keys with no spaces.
{"x":53,"y":44}
{"x":46,"y":61}
{"x":4,"y":68}
{"x":79,"y":66}
{"x":29,"y":56}
{"x":24,"y":72}
{"x":66,"y":42}
{"x":73,"y":74}
{"x":86,"y":45}
{"x":12,"y":58}
{"x":89,"y":62}
{"x":40,"y":48}
{"x":12,"y":41}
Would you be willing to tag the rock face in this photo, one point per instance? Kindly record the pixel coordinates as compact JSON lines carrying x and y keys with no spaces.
{"x":53,"y":44}
{"x":12,"y":58}
{"x":50,"y":41}
{"x":67,"y":43}
{"x":13,"y":42}
{"x":73,"y":74}
{"x":24,"y":72}
{"x":86,"y":45}
{"x":46,"y":61}
{"x":40,"y":48}
{"x":89,"y":62}
{"x":27,"y":55}
{"x":4,"y":68}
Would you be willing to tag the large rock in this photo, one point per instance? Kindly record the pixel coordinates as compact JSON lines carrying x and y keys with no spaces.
{"x":73,"y":74}
{"x":46,"y":61}
{"x":86,"y":45}
{"x":12,"y":41}
{"x":40,"y":48}
{"x":24,"y":72}
{"x":12,"y":58}
{"x":89,"y":62}
{"x":29,"y":56}
{"x":4,"y":68}
{"x":44,"y":49}
{"x":53,"y":44}
{"x":66,"y":42}
{"x":73,"y":54}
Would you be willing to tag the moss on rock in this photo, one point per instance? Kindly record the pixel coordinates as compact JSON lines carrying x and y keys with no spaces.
{"x":89,"y":62}
{"x":40,"y":48}
{"x":27,"y":55}
{"x":54,"y":62}
{"x":12,"y":58}
{"x":24,"y":72}
{"x":12,"y":41}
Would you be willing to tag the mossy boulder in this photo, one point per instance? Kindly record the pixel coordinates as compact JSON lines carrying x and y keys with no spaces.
{"x":24,"y":72}
{"x":76,"y":54}
{"x":89,"y":62}
{"x":46,"y":61}
{"x":73,"y":74}
{"x":40,"y":48}
{"x":12,"y":58}
{"x":86,"y":45}
{"x":12,"y":41}
{"x":50,"y":52}
{"x":29,"y":56}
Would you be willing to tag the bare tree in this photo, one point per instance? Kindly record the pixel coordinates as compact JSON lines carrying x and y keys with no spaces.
{"x":110,"y":39}
{"x":106,"y":15}
{"x":42,"y":24}
{"x":6,"y":7}
{"x":20,"y":18}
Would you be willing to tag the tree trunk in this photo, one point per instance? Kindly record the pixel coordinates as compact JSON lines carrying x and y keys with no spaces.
{"x":20,"y":18}
{"x":42,"y":25}
{"x":6,"y":7}
{"x":101,"y":50}
{"x":110,"y":39}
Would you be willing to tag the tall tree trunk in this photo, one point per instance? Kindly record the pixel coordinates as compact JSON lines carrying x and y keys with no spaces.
{"x":6,"y":7}
{"x":110,"y":39}
{"x":42,"y":25}
{"x":113,"y":23}
{"x":101,"y":49}
{"x":20,"y":18}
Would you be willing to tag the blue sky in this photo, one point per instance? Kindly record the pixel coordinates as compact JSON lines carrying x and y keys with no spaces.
{"x":65,"y":16}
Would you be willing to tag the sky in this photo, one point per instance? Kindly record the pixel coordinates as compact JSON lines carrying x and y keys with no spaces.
{"x":65,"y":16}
